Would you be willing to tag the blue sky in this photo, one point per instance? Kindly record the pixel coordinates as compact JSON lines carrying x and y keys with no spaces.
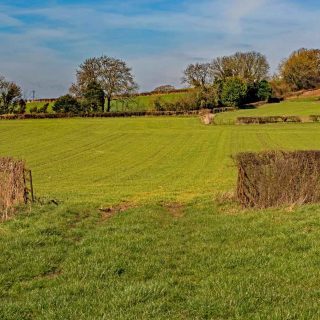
{"x":43,"y":42}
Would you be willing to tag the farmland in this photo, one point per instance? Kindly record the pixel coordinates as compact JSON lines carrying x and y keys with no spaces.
{"x":298,"y":107}
{"x":173,"y":245}
{"x":138,"y":103}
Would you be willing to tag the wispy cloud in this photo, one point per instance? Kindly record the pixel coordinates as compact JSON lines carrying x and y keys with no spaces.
{"x":42,"y":45}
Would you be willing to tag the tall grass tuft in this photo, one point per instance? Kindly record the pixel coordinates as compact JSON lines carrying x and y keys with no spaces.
{"x":12,"y":185}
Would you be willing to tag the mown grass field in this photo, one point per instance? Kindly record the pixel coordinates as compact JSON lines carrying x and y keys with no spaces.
{"x":303,"y":107}
{"x":177,"y":248}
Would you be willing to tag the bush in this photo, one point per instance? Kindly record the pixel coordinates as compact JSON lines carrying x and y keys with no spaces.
{"x":234,"y":91}
{"x":94,"y":98}
{"x":34,"y":110}
{"x":21,"y":107}
{"x":44,"y":108}
{"x":264,"y":90}
{"x":67,"y":104}
{"x":315,"y":118}
{"x":277,"y":178}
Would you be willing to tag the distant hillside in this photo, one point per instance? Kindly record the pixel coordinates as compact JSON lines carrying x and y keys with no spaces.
{"x":304,"y":94}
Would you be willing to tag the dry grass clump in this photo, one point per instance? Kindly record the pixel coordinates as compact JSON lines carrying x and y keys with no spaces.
{"x":278,"y":178}
{"x":12,"y":185}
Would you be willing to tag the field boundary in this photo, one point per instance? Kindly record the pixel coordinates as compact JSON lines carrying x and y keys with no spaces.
{"x":26,"y":116}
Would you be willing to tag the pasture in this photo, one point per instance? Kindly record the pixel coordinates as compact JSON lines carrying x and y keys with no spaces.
{"x":172,"y":245}
{"x":303,"y":107}
{"x":138,"y":103}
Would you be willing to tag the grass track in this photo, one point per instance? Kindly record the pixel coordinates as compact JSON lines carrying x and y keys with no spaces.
{"x":212,"y":261}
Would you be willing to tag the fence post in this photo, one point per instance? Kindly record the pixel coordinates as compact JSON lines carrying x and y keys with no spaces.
{"x":31,"y":186}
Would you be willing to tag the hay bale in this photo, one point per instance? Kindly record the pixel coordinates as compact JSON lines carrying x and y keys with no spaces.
{"x":278,"y":178}
{"x":207,"y":118}
{"x":12,"y":184}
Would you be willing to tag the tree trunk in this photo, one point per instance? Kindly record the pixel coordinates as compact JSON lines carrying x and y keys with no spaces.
{"x":103,"y":104}
{"x":109,"y":104}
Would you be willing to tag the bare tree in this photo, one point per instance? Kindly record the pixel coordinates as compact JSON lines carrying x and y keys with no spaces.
{"x":10,"y":95}
{"x":249,"y":66}
{"x":197,"y":75}
{"x":113,"y":75}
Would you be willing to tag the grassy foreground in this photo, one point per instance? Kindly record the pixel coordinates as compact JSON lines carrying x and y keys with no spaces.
{"x":175,"y":248}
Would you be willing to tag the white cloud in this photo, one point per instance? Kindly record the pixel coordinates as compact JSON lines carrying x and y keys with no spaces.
{"x":43,"y":55}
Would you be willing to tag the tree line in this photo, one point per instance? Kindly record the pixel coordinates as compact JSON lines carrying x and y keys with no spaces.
{"x":230,"y":81}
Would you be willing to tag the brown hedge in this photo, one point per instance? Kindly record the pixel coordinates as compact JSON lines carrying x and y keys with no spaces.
{"x":315,"y":118}
{"x":277,"y":178}
{"x":95,"y":115}
{"x":269,"y":119}
{"x":12,"y":184}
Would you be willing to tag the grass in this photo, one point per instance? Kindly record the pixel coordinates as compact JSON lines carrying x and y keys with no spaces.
{"x":179,"y":250}
{"x":298,"y":107}
{"x":139,"y":103}
{"x":145,"y":103}
{"x":33,"y":104}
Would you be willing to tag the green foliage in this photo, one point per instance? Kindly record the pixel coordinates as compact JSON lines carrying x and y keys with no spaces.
{"x":302,"y":69}
{"x":234,"y":91}
{"x":264,"y":91}
{"x":10,"y":96}
{"x":94,"y":98}
{"x":67,"y":104}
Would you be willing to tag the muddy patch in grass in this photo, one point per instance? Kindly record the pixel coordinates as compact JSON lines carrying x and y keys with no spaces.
{"x":175,"y":209}
{"x":107,"y":213}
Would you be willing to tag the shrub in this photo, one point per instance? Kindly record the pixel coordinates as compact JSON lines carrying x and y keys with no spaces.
{"x":34,"y":110}
{"x":94,"y":98}
{"x":21,"y":106}
{"x":67,"y":104}
{"x":315,"y":118}
{"x":264,"y":90}
{"x":234,"y":91}
{"x":277,"y":178}
{"x":44,"y":108}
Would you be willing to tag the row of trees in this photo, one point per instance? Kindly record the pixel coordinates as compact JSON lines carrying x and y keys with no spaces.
{"x":226,"y":81}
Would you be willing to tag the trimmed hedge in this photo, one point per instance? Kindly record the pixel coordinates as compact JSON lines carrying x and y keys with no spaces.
{"x":95,"y":115}
{"x":315,"y":118}
{"x":270,"y":119}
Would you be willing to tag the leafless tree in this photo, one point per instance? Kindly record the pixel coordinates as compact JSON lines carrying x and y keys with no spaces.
{"x":113,"y":75}
{"x":249,"y":66}
{"x":197,"y":75}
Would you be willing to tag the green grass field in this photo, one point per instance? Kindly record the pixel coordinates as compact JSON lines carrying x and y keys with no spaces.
{"x":139,"y":103}
{"x":298,"y":107}
{"x":178,"y":247}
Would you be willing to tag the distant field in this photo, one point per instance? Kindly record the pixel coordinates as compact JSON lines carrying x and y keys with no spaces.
{"x":38,"y":105}
{"x":175,"y":248}
{"x":139,"y":103}
{"x":143,"y":103}
{"x":298,"y":107}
